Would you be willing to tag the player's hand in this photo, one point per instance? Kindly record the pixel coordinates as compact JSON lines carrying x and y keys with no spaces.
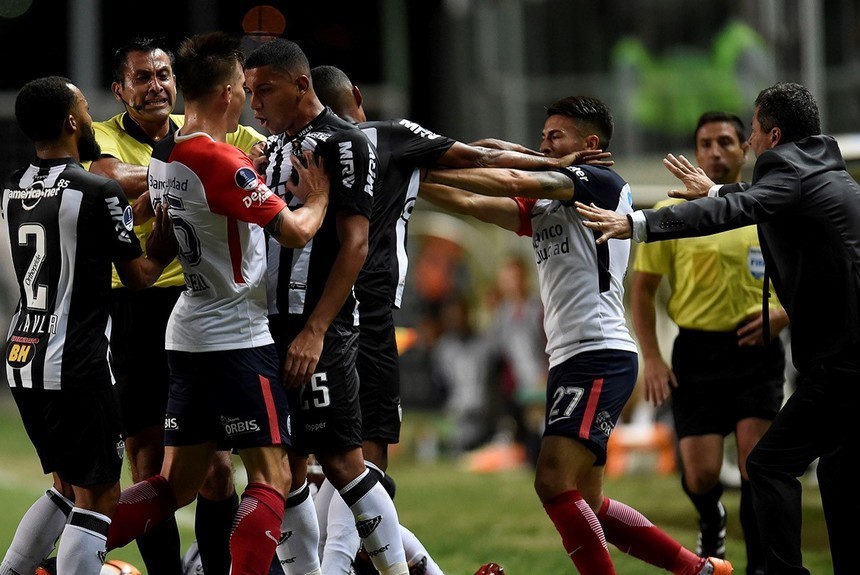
{"x":658,"y":376}
{"x":751,"y":333}
{"x":312,"y":178}
{"x":302,"y":358}
{"x":161,"y":245}
{"x":258,"y":156}
{"x":694,"y":178}
{"x":610,"y":224}
{"x":490,"y":569}
{"x":592,"y":157}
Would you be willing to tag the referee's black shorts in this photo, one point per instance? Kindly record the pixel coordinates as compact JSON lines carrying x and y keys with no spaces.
{"x":721,"y":383}
{"x":138,"y":359}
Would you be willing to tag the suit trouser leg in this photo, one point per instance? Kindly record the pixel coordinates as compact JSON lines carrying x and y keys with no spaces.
{"x":783,"y":454}
{"x":836,"y":480}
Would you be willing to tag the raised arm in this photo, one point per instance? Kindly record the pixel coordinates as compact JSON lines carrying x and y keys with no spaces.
{"x":471,"y":156}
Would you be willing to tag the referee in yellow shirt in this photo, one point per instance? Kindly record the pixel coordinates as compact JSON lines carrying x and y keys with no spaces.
{"x":723,"y":378}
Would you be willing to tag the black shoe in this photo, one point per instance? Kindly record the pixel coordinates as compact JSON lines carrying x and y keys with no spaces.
{"x":712,"y":537}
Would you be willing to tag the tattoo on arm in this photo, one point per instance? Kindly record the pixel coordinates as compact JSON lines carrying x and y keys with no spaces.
{"x":274,"y":227}
{"x":552,"y":182}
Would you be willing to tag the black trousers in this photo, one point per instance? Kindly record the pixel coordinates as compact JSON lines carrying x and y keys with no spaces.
{"x":819,"y":420}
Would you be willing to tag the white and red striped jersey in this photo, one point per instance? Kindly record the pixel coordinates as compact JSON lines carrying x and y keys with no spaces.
{"x":218,"y":205}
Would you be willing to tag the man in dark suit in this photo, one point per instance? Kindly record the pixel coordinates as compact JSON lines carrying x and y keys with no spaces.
{"x":807,"y":208}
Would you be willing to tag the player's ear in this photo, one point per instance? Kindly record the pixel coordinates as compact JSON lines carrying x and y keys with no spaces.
{"x":775,"y":136}
{"x":303,"y":84}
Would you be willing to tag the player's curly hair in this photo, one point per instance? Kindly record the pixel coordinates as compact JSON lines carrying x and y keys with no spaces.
{"x":42,"y":105}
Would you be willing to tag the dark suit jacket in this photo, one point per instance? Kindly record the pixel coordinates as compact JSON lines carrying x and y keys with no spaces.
{"x":807,"y":208}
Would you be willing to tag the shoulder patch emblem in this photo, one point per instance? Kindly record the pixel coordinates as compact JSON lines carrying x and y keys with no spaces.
{"x":246,"y":178}
{"x":128,"y":218}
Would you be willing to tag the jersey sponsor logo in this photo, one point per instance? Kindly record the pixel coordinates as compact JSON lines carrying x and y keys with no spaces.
{"x":347,"y":165}
{"x":550,"y":241}
{"x":578,"y":172}
{"x":258,"y":196}
{"x":20,"y":354}
{"x":371,"y":171}
{"x":35,"y":193}
{"x":171,"y":424}
{"x":235,"y":426}
{"x":246,"y":178}
{"x":418,"y":130}
{"x":376,"y":552}
{"x":321,"y":136}
{"x":119,"y":217}
{"x":603,"y":422}
{"x":165,"y":185}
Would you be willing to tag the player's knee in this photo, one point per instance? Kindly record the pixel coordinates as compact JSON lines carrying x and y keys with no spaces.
{"x":218,"y":484}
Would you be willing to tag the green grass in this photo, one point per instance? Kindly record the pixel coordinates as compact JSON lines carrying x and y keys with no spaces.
{"x":464,"y":519}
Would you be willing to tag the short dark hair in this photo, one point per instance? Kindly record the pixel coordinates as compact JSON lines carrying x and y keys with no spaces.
{"x":280,"y":54}
{"x":205,"y":61}
{"x":42,"y":107}
{"x":591,"y":112}
{"x":332,"y":86}
{"x":728,"y":117}
{"x":791,"y":108}
{"x":137,"y":44}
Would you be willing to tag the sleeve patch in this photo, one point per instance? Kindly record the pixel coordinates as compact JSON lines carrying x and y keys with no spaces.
{"x":246,"y":178}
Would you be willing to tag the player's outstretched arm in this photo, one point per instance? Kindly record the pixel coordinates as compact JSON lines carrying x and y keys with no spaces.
{"x":508,"y":183}
{"x":131,"y":178}
{"x":502,"y":212}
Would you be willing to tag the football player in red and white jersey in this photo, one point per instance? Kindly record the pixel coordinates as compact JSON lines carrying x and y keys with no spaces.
{"x":225,"y":388}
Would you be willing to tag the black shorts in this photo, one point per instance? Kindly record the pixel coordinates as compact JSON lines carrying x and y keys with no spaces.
{"x":232,"y":397}
{"x":721,"y":383}
{"x":139,"y":321}
{"x":324,"y":413}
{"x":585,"y":396}
{"x":76,"y":433}
{"x":378,"y":373}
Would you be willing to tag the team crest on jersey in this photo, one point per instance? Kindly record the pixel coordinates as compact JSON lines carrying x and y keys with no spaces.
{"x":246,"y":178}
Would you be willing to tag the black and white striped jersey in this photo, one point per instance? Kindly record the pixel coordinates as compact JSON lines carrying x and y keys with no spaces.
{"x":66,"y":226}
{"x":297,"y":277}
{"x":403,"y":147}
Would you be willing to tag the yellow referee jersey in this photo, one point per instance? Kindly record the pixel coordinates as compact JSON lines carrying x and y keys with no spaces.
{"x":117,"y":142}
{"x":716,"y":281}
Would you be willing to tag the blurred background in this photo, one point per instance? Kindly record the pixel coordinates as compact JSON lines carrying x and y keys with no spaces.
{"x":472,"y":69}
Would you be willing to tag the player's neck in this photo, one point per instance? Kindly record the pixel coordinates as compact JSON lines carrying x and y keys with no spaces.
{"x":197,"y":120}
